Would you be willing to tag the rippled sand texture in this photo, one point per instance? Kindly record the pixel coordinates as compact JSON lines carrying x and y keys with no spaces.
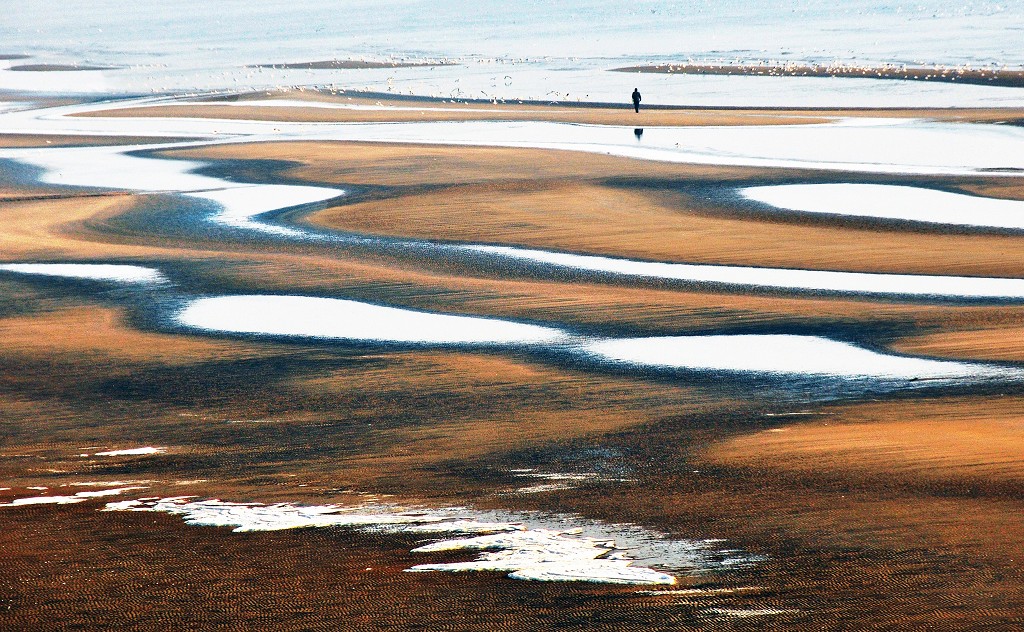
{"x":382,"y":365}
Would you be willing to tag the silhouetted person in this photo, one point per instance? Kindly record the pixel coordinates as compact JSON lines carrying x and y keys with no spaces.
{"x":636,"y":99}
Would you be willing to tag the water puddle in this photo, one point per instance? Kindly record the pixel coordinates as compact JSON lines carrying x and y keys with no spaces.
{"x":912,"y":204}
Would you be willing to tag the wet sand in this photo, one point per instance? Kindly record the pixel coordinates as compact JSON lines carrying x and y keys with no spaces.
{"x":382,"y":107}
{"x":65,"y":140}
{"x":361,"y":109}
{"x":880,"y":514}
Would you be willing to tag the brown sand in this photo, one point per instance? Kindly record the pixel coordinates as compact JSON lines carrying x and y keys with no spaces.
{"x":102,"y":335}
{"x":953,"y":440}
{"x":1003,"y":342}
{"x":67,"y":140}
{"x":653,"y":224}
{"x":563,"y":200}
{"x":51,"y":228}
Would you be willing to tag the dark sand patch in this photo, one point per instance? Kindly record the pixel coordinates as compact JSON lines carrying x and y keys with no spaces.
{"x":975,"y":76}
{"x":66,"y":140}
{"x":57,"y":68}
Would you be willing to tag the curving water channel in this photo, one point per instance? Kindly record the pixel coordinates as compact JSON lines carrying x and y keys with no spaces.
{"x":244,"y":205}
{"x":249,"y":207}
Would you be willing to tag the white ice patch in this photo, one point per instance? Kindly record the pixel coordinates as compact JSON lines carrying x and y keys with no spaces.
{"x":54,"y":81}
{"x":245,"y":517}
{"x":544,"y":555}
{"x":106,"y":483}
{"x":132,"y":452}
{"x":770,"y":354}
{"x":785,"y":355}
{"x":525,"y":546}
{"x":564,"y":481}
{"x":242,"y":204}
{"x":856,"y":145}
{"x":544,"y":488}
{"x":89,"y":271}
{"x":892,"y":202}
{"x":867,"y":283}
{"x":352,"y":320}
{"x":68,"y":500}
{"x":112,"y":167}
{"x":738,"y":613}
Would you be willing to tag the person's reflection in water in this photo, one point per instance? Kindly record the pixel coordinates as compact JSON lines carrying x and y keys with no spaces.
{"x":638,"y":132}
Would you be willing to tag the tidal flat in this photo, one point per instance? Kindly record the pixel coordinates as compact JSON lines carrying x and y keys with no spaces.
{"x":286,"y":373}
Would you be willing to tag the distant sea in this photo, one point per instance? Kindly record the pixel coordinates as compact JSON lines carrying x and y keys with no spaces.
{"x":535,"y":49}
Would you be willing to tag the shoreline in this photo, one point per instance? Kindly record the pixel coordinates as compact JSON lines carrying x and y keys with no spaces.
{"x":327,"y":105}
{"x":326,"y":93}
{"x":351,"y":64}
